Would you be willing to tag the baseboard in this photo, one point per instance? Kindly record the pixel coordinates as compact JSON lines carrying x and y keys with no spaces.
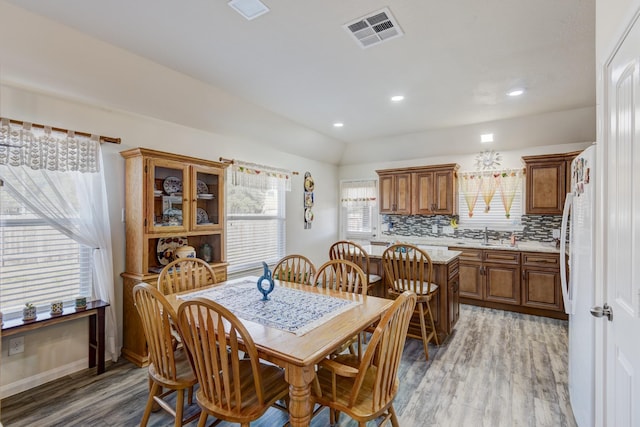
{"x":19,"y":386}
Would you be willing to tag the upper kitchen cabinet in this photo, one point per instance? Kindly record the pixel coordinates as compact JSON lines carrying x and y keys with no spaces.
{"x":424,"y":190}
{"x":395,"y":192}
{"x":548,"y":181}
{"x":435,"y":191}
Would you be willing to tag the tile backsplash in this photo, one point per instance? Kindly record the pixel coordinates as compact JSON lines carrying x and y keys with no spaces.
{"x":538,"y":228}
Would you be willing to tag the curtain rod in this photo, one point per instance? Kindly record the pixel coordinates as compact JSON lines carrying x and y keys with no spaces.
{"x":232,"y":162}
{"x":108,"y":139}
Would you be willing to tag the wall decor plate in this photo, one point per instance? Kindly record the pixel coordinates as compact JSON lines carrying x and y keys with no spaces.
{"x":167,"y":246}
{"x":172,"y":184}
{"x":201,"y":187}
{"x":308,"y":215}
{"x":202,"y":217}
{"x":308,"y":183}
{"x":308,"y":199}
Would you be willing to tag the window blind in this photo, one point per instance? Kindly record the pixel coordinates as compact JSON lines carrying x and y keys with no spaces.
{"x":38,"y":264}
{"x":256,"y":222}
{"x":359,"y":214}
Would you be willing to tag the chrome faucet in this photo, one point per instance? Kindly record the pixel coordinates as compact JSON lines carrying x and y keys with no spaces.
{"x":485,"y":237}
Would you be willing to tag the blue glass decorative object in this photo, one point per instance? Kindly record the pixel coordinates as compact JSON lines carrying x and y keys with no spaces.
{"x":266,"y":276}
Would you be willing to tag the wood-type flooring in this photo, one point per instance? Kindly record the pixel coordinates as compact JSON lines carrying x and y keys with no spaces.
{"x":497,"y":369}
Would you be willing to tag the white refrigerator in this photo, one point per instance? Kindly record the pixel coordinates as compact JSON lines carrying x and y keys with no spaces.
{"x":578,"y":290}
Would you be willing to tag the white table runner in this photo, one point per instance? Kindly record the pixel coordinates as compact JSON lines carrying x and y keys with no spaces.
{"x":290,"y":310}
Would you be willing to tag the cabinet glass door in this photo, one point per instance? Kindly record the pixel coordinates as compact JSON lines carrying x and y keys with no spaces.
{"x":168,"y":195}
{"x":207,"y":198}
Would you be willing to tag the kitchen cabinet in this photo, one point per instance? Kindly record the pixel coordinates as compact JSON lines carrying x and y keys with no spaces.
{"x":490,"y":275}
{"x":170,"y":200}
{"x":435,"y":191}
{"x":547,"y":182}
{"x":501,"y":271}
{"x":541,"y":281}
{"x":395,"y":193}
{"x":526,"y":282}
{"x":424,"y":190}
{"x":471,"y":274}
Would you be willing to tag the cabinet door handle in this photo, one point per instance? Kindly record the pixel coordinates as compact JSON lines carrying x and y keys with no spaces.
{"x":523,"y":275}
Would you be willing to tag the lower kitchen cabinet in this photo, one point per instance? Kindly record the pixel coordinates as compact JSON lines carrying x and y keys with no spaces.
{"x":541,"y":287}
{"x":527,"y":282}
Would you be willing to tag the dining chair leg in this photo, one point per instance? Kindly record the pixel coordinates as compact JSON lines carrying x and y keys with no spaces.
{"x":190,"y":396}
{"x":394,"y":417}
{"x":423,"y":330}
{"x":179,"y":407}
{"x":202,"y":422}
{"x":149,"y":405}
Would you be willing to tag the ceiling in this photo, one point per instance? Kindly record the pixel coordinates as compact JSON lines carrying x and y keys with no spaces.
{"x":454,"y":64}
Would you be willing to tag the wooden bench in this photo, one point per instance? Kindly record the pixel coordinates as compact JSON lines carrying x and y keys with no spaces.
{"x":95,"y":311}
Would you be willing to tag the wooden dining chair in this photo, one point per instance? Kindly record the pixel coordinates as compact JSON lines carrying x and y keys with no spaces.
{"x":409,"y":268}
{"x":346,"y":276}
{"x":341,"y":275}
{"x":295,"y":268}
{"x":168,"y":368}
{"x":351,"y":251}
{"x":365,"y":389}
{"x":185,"y":274}
{"x":232,"y":388}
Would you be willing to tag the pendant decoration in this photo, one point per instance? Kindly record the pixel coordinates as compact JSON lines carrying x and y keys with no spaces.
{"x":266,"y":276}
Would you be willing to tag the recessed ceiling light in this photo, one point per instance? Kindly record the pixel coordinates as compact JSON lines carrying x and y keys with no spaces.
{"x":397,"y":98}
{"x":487,"y":137}
{"x":250,"y":9}
{"x":516,"y":92}
{"x":338,"y":125}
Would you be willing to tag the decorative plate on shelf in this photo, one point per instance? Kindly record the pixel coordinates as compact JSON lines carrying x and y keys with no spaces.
{"x":172,"y":184}
{"x":167,"y":246}
{"x":201,"y":187}
{"x":201,"y":216}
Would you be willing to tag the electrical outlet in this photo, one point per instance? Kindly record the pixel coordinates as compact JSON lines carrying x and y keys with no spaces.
{"x":447,"y":229}
{"x":16,"y":346}
{"x":556,"y":233}
{"x":434,"y":228}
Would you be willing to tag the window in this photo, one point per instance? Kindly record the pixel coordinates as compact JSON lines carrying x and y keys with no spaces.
{"x":503,"y":190}
{"x":256,"y":220}
{"x":38,"y":264}
{"x":358,"y":209}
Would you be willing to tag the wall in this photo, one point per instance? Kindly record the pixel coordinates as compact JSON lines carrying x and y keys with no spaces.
{"x":57,"y":351}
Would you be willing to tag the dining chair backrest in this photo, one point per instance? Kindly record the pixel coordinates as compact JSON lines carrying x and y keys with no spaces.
{"x":212,"y":336}
{"x":408,"y":268}
{"x":295,"y":268}
{"x":341,"y":275}
{"x":351,"y":251}
{"x":185,"y":274}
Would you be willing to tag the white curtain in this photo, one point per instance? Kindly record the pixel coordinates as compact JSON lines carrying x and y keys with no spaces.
{"x":263,"y":177}
{"x":60,"y":177}
{"x":358,"y":193}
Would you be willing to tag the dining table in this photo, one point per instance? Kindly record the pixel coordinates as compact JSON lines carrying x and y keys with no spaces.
{"x":305,"y":337}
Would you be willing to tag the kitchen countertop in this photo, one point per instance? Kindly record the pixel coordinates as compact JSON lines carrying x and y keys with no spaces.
{"x":446,"y":242}
{"x":438,"y":256}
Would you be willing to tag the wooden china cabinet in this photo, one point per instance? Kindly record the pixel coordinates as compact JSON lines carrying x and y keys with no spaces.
{"x":171,"y":200}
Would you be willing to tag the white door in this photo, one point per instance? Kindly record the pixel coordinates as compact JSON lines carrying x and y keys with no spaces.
{"x":621,"y":226}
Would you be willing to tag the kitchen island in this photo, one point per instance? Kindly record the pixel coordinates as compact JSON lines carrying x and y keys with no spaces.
{"x":446,"y":304}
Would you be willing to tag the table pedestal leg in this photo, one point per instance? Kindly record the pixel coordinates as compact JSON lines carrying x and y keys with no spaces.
{"x":300,"y":401}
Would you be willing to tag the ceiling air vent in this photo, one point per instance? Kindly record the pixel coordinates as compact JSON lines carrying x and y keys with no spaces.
{"x":374,"y":28}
